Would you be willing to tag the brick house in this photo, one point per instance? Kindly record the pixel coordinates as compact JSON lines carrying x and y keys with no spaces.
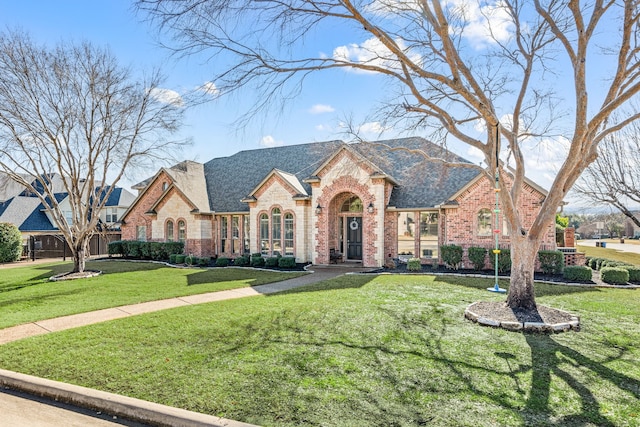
{"x":366,"y":201}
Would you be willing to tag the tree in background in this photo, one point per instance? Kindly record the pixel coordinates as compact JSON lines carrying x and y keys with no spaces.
{"x":73,"y":111}
{"x":614,"y":178}
{"x":10,"y":242}
{"x":451,"y":67}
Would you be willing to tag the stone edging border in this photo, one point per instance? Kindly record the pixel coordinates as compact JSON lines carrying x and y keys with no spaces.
{"x":67,"y":276}
{"x":537,"y":327}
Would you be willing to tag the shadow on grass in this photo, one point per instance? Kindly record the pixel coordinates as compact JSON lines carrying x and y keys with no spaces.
{"x":541,"y":289}
{"x":346,"y":281}
{"x":547,"y":358}
{"x":39,"y":300}
{"x":398,"y":360}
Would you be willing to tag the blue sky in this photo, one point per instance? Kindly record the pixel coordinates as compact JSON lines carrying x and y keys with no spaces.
{"x":315,"y":115}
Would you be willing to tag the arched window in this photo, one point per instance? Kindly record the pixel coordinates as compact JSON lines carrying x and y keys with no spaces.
{"x":353,"y":204}
{"x":182,"y":231}
{"x":484,"y":222}
{"x":276,"y":231}
{"x":264,"y":234}
{"x":168,"y":233}
{"x":288,"y":234}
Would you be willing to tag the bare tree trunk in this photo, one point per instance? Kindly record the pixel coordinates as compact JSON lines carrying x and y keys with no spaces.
{"x":79,"y":256}
{"x":523,"y":261}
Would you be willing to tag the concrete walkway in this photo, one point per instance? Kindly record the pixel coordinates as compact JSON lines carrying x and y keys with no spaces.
{"x":317,"y":274}
{"x":29,"y":400}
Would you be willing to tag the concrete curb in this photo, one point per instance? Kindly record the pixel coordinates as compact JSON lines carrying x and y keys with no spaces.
{"x":113,"y":404}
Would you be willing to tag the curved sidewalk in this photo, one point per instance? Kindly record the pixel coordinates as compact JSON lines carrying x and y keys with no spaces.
{"x":318,"y":274}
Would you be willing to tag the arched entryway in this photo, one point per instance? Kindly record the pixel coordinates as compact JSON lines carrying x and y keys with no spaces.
{"x":346,"y":228}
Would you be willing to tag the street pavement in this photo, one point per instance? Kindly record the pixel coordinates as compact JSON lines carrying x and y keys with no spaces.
{"x":24,"y":410}
{"x":624,"y":247}
{"x":20,"y":409}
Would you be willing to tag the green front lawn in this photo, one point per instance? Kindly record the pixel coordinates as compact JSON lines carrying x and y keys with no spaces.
{"x":391,"y":350}
{"x":612,"y":254}
{"x":27,"y":295}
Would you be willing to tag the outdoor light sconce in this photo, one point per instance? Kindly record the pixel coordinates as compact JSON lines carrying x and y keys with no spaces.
{"x":318,"y":210}
{"x":370,"y":208}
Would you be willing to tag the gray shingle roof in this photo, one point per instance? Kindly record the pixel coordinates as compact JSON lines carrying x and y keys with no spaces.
{"x":421,"y":183}
{"x":230,"y":179}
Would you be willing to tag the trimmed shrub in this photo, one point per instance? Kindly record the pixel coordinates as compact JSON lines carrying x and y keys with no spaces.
{"x":180,"y":258}
{"x":204,"y":261}
{"x":145,"y":250}
{"x":10,"y":242}
{"x":614,"y":275}
{"x":504,"y":260}
{"x":222,"y":262}
{"x":257,"y":261}
{"x":287,"y":262}
{"x":477,"y":256}
{"x":593,"y":263}
{"x":551,"y":262}
{"x":172,"y":258}
{"x":634,"y":272}
{"x":599,"y":263}
{"x":115,"y":248}
{"x":242,"y":261}
{"x":451,"y":255}
{"x":580,"y":273}
{"x":413,"y":264}
{"x":191,"y":260}
{"x":271,"y":262}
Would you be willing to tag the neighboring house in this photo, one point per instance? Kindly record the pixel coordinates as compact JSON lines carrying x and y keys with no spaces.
{"x":367,"y":201}
{"x":630,"y":228}
{"x":25,"y":210}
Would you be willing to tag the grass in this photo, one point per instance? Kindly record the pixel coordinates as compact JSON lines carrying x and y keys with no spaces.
{"x":26,"y":294}
{"x":390,"y":350}
{"x":612,"y":254}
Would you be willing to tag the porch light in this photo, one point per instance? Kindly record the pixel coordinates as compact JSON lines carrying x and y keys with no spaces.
{"x":318,"y":210}
{"x":370,"y":208}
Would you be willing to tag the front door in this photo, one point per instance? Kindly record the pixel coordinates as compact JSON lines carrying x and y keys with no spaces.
{"x":354,"y":237}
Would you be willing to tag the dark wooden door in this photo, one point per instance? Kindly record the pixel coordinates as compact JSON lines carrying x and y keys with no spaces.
{"x":354,"y":237}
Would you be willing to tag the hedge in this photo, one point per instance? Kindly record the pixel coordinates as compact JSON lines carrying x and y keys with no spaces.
{"x":614,"y":275}
{"x":145,"y":250}
{"x":204,"y":261}
{"x":257,"y":261}
{"x":413,"y":264}
{"x":634,"y":272}
{"x":287,"y":262}
{"x":551,"y":262}
{"x":577,"y":272}
{"x":504,"y":260}
{"x":222,"y":262}
{"x":10,"y":242}
{"x":180,"y":258}
{"x":451,"y":255}
{"x":271,"y":262}
{"x":477,"y":257}
{"x":241,"y":261}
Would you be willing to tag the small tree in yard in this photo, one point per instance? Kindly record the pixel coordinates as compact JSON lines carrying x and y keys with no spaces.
{"x":10,"y":242}
{"x":73,"y":111}
{"x":511,"y":67}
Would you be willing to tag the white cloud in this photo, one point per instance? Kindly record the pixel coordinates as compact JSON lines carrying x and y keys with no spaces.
{"x":269,"y":141}
{"x":372,"y":52}
{"x":209,"y":88}
{"x":167,"y":96}
{"x":483,"y":25}
{"x":321,"y":108}
{"x":372,"y":128}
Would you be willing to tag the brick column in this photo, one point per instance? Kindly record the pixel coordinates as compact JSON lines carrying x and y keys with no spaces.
{"x":570,"y":237}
